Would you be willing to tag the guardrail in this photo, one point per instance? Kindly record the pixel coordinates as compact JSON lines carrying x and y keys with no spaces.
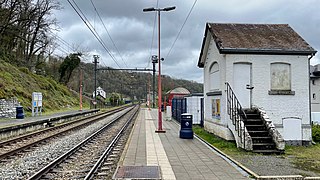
{"x":236,"y":113}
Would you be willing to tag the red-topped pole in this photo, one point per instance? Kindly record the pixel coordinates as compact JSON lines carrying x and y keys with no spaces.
{"x":159,"y":130}
{"x":159,"y":82}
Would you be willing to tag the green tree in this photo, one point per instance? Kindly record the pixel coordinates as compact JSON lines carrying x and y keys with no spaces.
{"x":70,"y":63}
{"x":25,"y":29}
{"x":115,"y":99}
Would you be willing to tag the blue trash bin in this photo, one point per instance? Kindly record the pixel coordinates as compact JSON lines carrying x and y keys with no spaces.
{"x":19,"y":112}
{"x":186,"y":126}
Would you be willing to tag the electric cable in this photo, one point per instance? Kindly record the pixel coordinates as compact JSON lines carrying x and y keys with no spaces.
{"x":92,"y":30}
{"x":174,"y":42}
{"x":108,"y":33}
{"x":152,"y":40}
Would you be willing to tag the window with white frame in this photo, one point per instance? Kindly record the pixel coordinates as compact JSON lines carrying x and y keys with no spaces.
{"x":214,"y":76}
{"x":280,"y":76}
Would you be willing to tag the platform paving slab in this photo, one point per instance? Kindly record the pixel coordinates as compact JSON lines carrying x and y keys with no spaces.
{"x":177,"y":158}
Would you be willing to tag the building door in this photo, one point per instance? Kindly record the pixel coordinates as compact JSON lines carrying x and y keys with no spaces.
{"x":241,"y":82}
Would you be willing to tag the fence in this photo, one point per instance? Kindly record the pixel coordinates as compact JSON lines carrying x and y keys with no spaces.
{"x":179,"y":106}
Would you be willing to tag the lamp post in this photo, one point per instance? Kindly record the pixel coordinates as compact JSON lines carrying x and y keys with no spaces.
{"x":160,"y":130}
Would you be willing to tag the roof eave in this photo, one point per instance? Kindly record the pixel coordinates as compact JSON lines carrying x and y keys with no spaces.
{"x":265,"y":51}
{"x":201,"y":64}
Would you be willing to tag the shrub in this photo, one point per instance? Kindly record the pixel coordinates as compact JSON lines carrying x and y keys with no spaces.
{"x":316,"y":133}
{"x":24,"y":69}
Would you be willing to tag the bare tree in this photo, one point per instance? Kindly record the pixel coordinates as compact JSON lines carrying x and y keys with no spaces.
{"x":25,"y":26}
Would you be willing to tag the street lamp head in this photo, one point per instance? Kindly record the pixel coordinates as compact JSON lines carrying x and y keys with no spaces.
{"x":154,"y":59}
{"x":148,"y":9}
{"x":169,"y":8}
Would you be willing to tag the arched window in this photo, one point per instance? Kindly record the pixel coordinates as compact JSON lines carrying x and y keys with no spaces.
{"x":280,"y":76}
{"x":214,"y":76}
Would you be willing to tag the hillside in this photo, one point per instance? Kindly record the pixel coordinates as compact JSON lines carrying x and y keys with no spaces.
{"x":20,"y":83}
{"x":127,"y":83}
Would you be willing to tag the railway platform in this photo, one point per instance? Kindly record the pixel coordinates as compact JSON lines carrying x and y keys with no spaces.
{"x":8,"y":122}
{"x":151,"y":155}
{"x":13,"y":127}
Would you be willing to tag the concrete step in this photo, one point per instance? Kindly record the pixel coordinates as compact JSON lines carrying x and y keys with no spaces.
{"x":258,"y":133}
{"x":255,"y":127}
{"x":253,"y":116}
{"x":253,"y":122}
{"x":265,"y":139}
{"x":268,"y":151}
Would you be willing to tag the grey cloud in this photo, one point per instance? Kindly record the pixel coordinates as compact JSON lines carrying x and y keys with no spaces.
{"x":131,"y":29}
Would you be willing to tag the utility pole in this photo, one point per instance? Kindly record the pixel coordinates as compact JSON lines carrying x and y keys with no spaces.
{"x":95,"y":61}
{"x":154,"y":61}
{"x":80,"y":90}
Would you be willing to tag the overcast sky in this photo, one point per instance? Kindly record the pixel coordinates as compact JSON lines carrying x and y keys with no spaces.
{"x":132,"y":30}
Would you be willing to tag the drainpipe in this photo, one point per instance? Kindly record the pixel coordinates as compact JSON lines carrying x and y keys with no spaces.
{"x":310,"y":94}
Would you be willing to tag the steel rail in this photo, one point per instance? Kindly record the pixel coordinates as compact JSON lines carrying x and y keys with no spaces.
{"x":12,"y":140}
{"x":66,"y":155}
{"x":105,"y":154}
{"x":20,"y":138}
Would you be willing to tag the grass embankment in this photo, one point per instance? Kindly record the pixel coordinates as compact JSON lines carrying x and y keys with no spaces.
{"x":305,"y":158}
{"x":227,"y":147}
{"x":20,"y":83}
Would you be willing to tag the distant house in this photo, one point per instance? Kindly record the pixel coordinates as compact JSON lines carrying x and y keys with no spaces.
{"x":315,"y":87}
{"x":100,"y":92}
{"x":315,"y":92}
{"x":256,"y":73}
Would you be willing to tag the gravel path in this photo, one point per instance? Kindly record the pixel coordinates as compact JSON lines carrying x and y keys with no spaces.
{"x":271,"y":165}
{"x":25,"y":165}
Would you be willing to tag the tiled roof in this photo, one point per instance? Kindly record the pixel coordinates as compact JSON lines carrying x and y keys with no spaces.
{"x":259,"y":37}
{"x":256,"y":39}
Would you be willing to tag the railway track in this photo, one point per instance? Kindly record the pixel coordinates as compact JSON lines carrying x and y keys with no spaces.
{"x":95,"y":157}
{"x":19,"y":144}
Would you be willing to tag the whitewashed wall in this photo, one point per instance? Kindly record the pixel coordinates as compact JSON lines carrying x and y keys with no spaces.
{"x":278,"y":107}
{"x":218,"y":127}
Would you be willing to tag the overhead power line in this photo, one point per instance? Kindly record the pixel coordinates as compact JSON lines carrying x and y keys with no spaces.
{"x":174,"y":42}
{"x":152,"y":40}
{"x":63,"y":42}
{"x":108,"y":32}
{"x":92,"y":30}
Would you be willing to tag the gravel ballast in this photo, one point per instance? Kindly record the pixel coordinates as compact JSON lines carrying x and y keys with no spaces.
{"x":23,"y":166}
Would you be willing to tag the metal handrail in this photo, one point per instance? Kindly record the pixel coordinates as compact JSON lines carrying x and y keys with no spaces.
{"x":236,"y":113}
